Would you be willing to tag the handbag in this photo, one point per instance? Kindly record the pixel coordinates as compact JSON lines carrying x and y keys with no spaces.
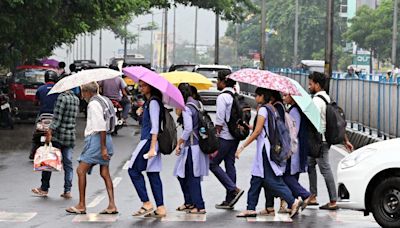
{"x":47,"y":158}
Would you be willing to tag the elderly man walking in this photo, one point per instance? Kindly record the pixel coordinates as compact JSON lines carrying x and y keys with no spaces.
{"x":98,"y":147}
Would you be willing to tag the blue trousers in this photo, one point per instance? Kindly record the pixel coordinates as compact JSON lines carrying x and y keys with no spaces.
{"x":191,"y":185}
{"x":66,"y":153}
{"x":138,"y":181}
{"x":292,"y":181}
{"x":256,"y":183}
{"x":226,"y":153}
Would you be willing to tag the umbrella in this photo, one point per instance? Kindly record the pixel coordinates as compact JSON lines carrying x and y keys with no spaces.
{"x":82,"y":78}
{"x":50,"y":62}
{"x":195,"y":79}
{"x":171,"y":95}
{"x":307,"y":105}
{"x":265,"y":79}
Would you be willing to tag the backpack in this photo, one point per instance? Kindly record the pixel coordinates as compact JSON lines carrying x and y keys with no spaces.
{"x":208,"y":140}
{"x":312,"y":140}
{"x":335,"y":123}
{"x":239,"y":118}
{"x":108,"y":112}
{"x":167,"y":136}
{"x":278,"y":136}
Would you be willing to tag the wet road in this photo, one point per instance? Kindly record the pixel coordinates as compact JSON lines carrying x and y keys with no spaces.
{"x":18,"y":208}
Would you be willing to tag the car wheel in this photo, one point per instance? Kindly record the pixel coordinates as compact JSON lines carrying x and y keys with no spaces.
{"x":386,"y":202}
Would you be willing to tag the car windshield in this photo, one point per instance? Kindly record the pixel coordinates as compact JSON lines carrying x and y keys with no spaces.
{"x":209,"y":73}
{"x":30,"y":76}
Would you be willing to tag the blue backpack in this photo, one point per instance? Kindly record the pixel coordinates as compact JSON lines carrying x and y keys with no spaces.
{"x":279,"y":137}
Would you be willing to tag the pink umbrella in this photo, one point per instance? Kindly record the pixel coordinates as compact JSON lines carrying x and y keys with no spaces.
{"x":171,"y":95}
{"x":265,"y":79}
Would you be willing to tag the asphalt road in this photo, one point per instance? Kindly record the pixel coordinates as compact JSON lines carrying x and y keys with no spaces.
{"x":18,"y":208}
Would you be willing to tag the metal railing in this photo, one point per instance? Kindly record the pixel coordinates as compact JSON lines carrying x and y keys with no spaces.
{"x":370,"y":102}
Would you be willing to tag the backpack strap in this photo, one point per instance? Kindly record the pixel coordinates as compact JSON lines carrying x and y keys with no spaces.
{"x":270,"y":123}
{"x":234,"y":100}
{"x":323,"y":98}
{"x":162,"y":115}
{"x":198,"y":110}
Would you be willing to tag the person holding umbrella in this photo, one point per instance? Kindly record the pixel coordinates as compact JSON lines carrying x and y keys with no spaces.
{"x":192,"y":164}
{"x":146,"y":156}
{"x":265,"y":171}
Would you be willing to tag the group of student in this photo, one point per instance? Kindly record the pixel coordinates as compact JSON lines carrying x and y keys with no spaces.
{"x":192,"y":164}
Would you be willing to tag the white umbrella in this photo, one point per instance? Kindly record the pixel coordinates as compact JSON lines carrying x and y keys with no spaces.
{"x":82,"y":78}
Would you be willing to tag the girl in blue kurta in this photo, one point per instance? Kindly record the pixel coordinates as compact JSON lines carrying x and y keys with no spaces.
{"x":192,"y":164}
{"x":146,"y":156}
{"x":264,"y":171}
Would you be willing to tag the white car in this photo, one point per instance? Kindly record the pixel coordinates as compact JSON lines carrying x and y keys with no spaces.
{"x":369,"y":181}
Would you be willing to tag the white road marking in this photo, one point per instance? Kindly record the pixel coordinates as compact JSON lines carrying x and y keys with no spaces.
{"x":126,"y":166}
{"x":92,"y":217}
{"x":96,"y":201}
{"x":116,"y":181}
{"x":16,"y":217}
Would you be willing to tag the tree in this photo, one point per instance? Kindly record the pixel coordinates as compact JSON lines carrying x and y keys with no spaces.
{"x":280,"y":31}
{"x":372,"y":30}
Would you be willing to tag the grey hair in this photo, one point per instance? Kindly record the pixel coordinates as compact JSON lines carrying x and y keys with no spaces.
{"x":91,"y":87}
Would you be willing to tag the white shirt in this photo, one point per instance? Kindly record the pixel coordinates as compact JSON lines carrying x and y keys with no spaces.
{"x":224,"y":106}
{"x":321,"y":105}
{"x":95,"y":119}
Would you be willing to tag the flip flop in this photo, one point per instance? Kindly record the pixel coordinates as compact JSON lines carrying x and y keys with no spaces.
{"x":66,"y":195}
{"x":39,"y":192}
{"x":197,"y":211}
{"x":154,"y":214}
{"x":74,"y":210}
{"x":185,"y":207}
{"x":247,"y":214}
{"x":107,"y":212}
{"x":143,"y":211}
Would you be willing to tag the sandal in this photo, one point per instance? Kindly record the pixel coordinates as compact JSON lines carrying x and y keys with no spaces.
{"x":197,"y":211}
{"x":247,"y":214}
{"x":74,"y":210}
{"x":185,"y":207}
{"x":267,"y":212}
{"x":154,"y":214}
{"x":143,"y":211}
{"x":66,"y":195}
{"x":39,"y":192}
{"x":108,"y":212}
{"x":328,"y":206}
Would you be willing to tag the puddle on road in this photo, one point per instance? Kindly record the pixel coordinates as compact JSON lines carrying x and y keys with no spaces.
{"x":93,"y":217}
{"x":16,"y":217}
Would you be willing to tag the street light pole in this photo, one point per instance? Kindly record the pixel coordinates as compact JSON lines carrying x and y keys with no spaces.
{"x":91,"y":46}
{"x":263,"y":27}
{"x":100,"y":46}
{"x":329,"y":43}
{"x":174,"y":38}
{"x":151,"y":40}
{"x":216,"y":57}
{"x":138,"y":38}
{"x":165,"y":40}
{"x":195,"y":36}
{"x":394,"y":39}
{"x":84,"y":46}
{"x":125,"y":42}
{"x":296,"y":35}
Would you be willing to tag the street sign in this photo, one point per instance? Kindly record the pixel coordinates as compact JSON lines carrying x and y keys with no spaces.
{"x":361,"y":59}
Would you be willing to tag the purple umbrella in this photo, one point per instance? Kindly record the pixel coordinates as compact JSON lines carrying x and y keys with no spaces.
{"x":171,"y":95}
{"x":50,"y":62}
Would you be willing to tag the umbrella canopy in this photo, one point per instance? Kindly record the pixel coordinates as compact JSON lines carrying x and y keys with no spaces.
{"x":195,"y":79}
{"x":307,"y":105}
{"x":82,"y":78}
{"x":171,"y":95}
{"x":50,"y":62}
{"x":265,"y":79}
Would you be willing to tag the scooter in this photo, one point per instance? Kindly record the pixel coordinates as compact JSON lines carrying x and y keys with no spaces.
{"x":118,"y":111}
{"x":39,"y":136}
{"x":6,"y":120}
{"x":137,"y":103}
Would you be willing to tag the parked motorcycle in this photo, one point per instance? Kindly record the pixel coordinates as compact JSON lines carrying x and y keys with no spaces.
{"x":6,"y":120}
{"x":39,"y":135}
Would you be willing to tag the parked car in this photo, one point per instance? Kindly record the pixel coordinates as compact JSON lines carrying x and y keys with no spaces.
{"x":369,"y":181}
{"x":84,"y":64}
{"x":182,"y":67}
{"x":22,"y":85}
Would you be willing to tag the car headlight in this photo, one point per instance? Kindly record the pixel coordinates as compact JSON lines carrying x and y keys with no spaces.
{"x":356,"y":157}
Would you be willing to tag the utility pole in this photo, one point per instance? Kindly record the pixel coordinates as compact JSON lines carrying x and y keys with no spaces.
{"x":84,"y":46}
{"x":91,"y":46}
{"x":125,"y":42}
{"x":100,"y":46}
{"x":296,"y":35}
{"x":174,"y":37}
{"x":161,"y":42}
{"x":394,"y":39}
{"x":216,"y":57}
{"x":77,"y":48}
{"x":329,"y":43}
{"x":151,"y":40}
{"x":165,"y":39}
{"x":237,"y":45}
{"x":81,"y":49}
{"x":138,"y":38}
{"x":195,"y":36}
{"x":263,"y":27}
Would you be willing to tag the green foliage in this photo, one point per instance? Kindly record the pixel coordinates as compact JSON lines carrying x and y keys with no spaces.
{"x":372,"y":29}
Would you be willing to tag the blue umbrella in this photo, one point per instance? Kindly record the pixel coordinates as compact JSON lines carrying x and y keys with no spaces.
{"x":307,"y":105}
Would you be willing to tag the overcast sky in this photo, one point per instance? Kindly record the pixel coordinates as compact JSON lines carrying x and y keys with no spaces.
{"x":184,"y":32}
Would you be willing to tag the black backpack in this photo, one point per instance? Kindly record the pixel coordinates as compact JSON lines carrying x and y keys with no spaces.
{"x":208,"y":140}
{"x":239,"y":118}
{"x":167,"y":136}
{"x":335,"y":123}
{"x":311,"y":139}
